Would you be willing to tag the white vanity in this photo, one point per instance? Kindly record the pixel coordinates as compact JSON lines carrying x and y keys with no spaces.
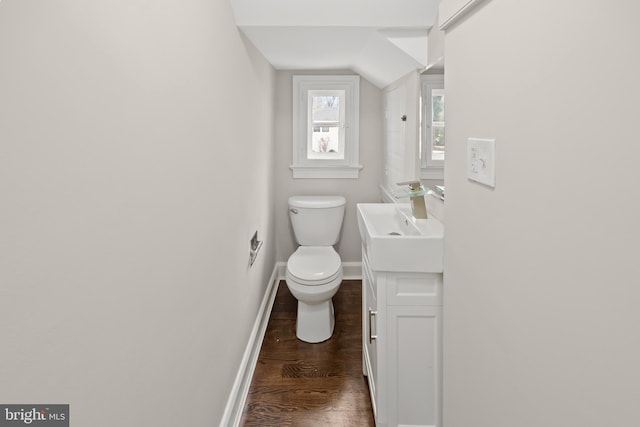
{"x":402,"y":314}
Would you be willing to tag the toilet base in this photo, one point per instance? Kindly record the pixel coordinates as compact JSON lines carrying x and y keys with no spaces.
{"x":315,"y":322}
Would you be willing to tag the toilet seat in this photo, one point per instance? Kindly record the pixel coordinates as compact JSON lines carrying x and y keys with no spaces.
{"x":314,"y":265}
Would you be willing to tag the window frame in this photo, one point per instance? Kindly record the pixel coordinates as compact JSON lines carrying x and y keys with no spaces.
{"x":430,"y":168}
{"x":305,"y":167}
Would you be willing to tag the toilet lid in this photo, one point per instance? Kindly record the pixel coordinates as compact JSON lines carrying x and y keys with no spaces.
{"x":311,"y":265}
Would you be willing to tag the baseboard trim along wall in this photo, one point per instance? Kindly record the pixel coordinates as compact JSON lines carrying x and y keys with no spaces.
{"x":238,"y":396}
{"x":352,"y":270}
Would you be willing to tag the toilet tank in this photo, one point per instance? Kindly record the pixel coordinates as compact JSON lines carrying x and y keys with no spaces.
{"x":316,"y":220}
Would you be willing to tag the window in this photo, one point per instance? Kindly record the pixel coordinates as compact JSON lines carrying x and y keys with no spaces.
{"x":326,"y":120}
{"x":325,"y":126}
{"x":437,"y":124}
{"x":432,"y":135}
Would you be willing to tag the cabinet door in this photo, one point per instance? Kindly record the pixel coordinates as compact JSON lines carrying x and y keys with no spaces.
{"x":415,"y":364}
{"x":369,"y":331}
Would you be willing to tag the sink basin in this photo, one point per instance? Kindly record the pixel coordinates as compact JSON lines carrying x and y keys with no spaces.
{"x":395,"y":241}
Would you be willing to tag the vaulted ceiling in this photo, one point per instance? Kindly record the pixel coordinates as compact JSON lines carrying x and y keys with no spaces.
{"x":382,"y":40}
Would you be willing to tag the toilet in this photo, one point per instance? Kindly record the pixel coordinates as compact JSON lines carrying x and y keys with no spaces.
{"x":314,"y":270}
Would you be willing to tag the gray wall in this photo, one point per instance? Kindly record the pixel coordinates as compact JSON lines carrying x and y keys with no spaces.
{"x":363,"y":189}
{"x":541,"y":279}
{"x":136,"y":153}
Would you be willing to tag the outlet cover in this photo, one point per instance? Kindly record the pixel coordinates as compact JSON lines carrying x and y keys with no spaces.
{"x":481,"y":161}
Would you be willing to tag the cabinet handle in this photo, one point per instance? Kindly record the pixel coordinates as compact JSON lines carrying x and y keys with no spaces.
{"x":371,"y":336}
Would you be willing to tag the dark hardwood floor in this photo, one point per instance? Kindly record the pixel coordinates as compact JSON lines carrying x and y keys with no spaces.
{"x":300,"y":384}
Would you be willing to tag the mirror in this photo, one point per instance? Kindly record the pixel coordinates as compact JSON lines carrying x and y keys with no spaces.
{"x":432,"y":128}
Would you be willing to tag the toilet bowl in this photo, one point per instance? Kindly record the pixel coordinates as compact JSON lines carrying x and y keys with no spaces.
{"x":313,"y":276}
{"x":314,"y":270}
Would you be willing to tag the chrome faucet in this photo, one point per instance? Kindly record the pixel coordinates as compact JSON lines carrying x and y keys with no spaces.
{"x":416,"y":194}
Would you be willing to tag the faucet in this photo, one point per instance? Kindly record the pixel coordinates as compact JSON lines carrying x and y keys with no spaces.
{"x":416,"y":193}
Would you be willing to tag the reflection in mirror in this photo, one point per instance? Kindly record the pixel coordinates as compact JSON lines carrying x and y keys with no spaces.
{"x":437,"y":124}
{"x":432,"y":135}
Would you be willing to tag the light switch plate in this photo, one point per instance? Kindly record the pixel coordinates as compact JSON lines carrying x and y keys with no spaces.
{"x":481,"y":161}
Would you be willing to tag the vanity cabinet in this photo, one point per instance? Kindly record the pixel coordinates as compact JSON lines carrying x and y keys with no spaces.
{"x":402,"y":345}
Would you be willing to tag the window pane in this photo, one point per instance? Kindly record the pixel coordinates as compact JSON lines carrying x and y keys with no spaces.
{"x":437,"y":108}
{"x":437,"y":135}
{"x":325,"y":108}
{"x":325,"y":139}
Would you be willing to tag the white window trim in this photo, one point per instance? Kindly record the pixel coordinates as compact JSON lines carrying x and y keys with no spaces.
{"x":429,"y":168}
{"x":303,"y":167}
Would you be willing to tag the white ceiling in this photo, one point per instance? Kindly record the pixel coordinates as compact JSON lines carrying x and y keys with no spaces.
{"x":382,"y":40}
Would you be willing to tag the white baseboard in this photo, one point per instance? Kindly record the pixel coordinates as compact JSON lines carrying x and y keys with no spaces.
{"x":352,"y":270}
{"x":282,"y":270}
{"x":238,"y":396}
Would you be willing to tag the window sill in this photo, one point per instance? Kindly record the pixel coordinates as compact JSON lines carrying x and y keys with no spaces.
{"x":326,"y":171}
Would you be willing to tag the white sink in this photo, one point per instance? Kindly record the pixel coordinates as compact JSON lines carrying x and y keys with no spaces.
{"x":395,"y":241}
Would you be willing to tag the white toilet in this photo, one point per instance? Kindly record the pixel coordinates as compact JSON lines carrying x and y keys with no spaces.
{"x":314,"y":271}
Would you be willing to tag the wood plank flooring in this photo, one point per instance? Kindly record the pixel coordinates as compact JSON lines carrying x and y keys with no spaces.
{"x":299,"y":384}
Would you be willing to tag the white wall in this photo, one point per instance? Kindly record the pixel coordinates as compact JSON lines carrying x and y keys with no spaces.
{"x":136,"y":151}
{"x":363,"y":189}
{"x":541,"y":277}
